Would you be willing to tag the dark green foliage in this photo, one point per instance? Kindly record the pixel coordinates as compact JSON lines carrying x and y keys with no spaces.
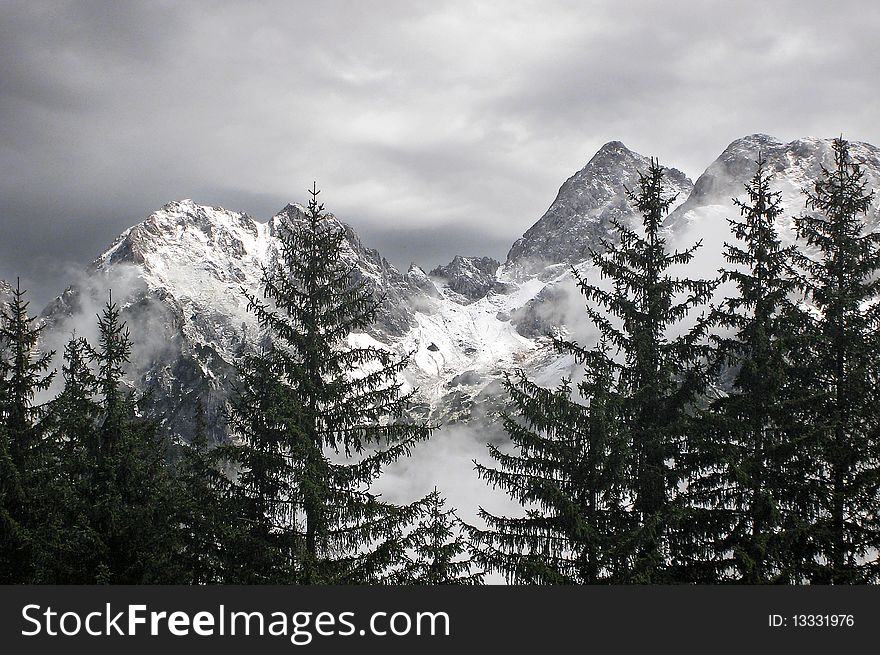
{"x":843,"y":363}
{"x":23,"y":373}
{"x":263,"y":545}
{"x":660,"y":376}
{"x":568,"y":469}
{"x":599,"y":478}
{"x":745,"y":483}
{"x":438,"y":548}
{"x":69,"y":542}
{"x":23,"y":451}
{"x":309,"y":518}
{"x":76,"y":411}
{"x":204,"y":519}
{"x":130,"y":493}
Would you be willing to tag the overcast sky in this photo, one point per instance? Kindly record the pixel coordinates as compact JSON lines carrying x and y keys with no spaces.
{"x":434,"y":128}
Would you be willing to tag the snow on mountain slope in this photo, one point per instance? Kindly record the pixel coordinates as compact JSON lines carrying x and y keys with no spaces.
{"x":461,"y":351}
{"x":5,"y":291}
{"x":197,"y":259}
{"x":795,"y":166}
{"x":179,"y":276}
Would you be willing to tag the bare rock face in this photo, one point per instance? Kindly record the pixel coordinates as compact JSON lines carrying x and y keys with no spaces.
{"x":470,"y":277}
{"x":418,"y":279}
{"x":584,"y":208}
{"x":5,"y":292}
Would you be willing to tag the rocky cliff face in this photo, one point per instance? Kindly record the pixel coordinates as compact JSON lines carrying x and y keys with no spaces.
{"x":583,"y":210}
{"x":470,"y":277}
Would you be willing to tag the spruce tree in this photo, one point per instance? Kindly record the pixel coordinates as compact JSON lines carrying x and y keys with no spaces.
{"x":133,"y":508}
{"x":439,"y":550}
{"x":203,"y":523}
{"x":70,"y":543}
{"x":264,"y":543}
{"x":76,"y":411}
{"x":23,"y":374}
{"x":307,"y":395}
{"x":746,"y":460}
{"x":568,"y":471}
{"x":640,"y":386}
{"x":661,"y":374}
{"x":843,"y":360}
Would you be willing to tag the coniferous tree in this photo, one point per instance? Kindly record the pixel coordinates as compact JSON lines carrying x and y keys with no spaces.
{"x":133,"y":508}
{"x":603,"y":476}
{"x":263,"y":546}
{"x":746,"y":462}
{"x":23,"y":374}
{"x":660,"y":377}
{"x":309,"y":394}
{"x":439,"y":549}
{"x":69,"y":541}
{"x":568,"y":471}
{"x":76,"y":411}
{"x":843,"y":363}
{"x":203,"y":521}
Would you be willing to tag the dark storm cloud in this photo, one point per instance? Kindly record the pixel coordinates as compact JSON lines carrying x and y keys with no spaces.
{"x":433,"y":127}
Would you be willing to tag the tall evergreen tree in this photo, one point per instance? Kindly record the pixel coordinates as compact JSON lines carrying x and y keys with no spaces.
{"x":661,"y":373}
{"x":203,"y":521}
{"x":439,"y":548}
{"x":23,"y":374}
{"x":69,"y":541}
{"x":603,"y":474}
{"x":843,"y":360}
{"x":568,"y":470}
{"x":76,"y":411}
{"x":746,"y":458}
{"x":133,"y":506}
{"x":309,"y":394}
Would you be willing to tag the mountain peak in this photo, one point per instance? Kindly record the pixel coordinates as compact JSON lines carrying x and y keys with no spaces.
{"x":793,"y":166}
{"x":293,"y":209}
{"x":796,"y":163}
{"x":756,"y":139}
{"x":584,"y":208}
{"x":183,"y":226}
{"x":612,"y":148}
{"x":469,"y":277}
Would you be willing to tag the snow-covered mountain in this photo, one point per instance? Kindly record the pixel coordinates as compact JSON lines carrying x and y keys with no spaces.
{"x":5,"y":291}
{"x":179,"y":276}
{"x":471,"y":277}
{"x":795,"y":166}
